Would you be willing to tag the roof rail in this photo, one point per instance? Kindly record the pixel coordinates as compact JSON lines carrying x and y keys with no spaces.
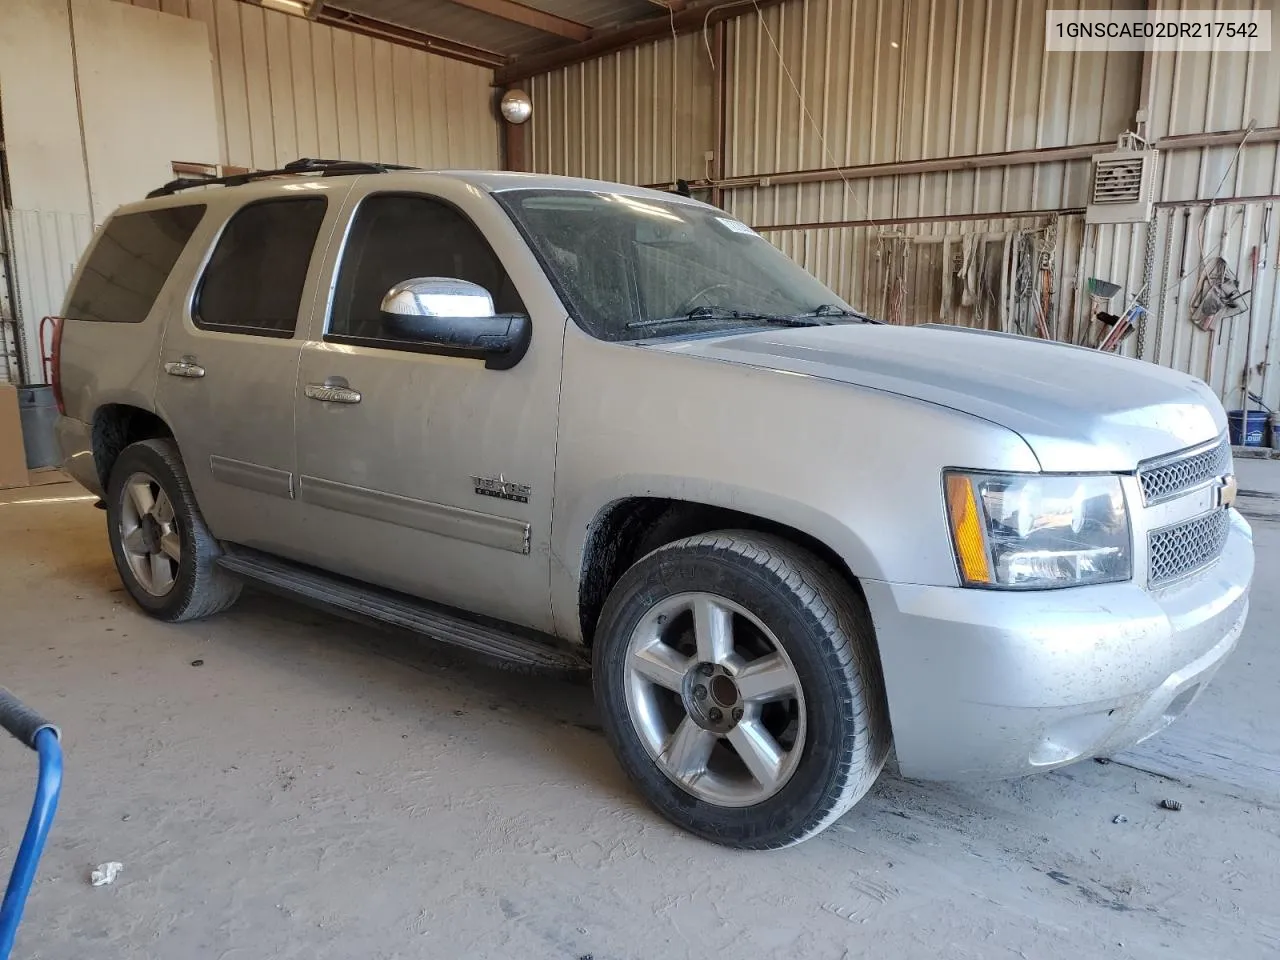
{"x":306,"y":165}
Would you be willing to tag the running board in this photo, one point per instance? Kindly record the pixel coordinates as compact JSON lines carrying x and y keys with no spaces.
{"x":506,"y":644}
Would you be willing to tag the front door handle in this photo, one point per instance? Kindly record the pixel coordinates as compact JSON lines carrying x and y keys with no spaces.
{"x":186,"y":367}
{"x":333,"y":390}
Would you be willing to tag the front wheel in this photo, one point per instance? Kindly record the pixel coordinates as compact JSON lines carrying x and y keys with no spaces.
{"x":739,"y":687}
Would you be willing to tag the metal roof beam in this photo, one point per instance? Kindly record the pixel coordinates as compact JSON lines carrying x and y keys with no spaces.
{"x":686,"y":20}
{"x":514,"y":12}
{"x":322,"y":11}
{"x":394,"y":33}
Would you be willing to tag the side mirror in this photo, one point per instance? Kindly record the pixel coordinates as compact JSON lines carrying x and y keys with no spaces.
{"x":455,"y":318}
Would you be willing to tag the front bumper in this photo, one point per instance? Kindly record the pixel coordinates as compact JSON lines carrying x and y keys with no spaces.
{"x":989,"y":684}
{"x":75,"y":440}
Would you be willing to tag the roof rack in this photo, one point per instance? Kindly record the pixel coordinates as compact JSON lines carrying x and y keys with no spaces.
{"x":307,"y":165}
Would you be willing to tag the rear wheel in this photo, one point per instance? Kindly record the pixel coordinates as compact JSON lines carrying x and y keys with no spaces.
{"x":165,"y":555}
{"x":739,"y":686}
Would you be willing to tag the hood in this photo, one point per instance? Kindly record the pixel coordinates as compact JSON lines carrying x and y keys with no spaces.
{"x":1078,"y":409}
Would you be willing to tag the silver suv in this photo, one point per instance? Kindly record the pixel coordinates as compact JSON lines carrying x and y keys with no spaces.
{"x":577,"y":425}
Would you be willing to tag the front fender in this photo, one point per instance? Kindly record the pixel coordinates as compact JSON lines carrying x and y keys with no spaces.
{"x":787,"y":511}
{"x":568,"y":556}
{"x":857,"y":469}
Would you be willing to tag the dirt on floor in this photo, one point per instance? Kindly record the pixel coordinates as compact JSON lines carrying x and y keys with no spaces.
{"x":277,"y":783}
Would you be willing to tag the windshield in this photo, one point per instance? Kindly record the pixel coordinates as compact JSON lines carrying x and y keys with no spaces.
{"x":631,"y":268}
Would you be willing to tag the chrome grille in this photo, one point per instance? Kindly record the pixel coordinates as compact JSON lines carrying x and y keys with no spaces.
{"x":1186,"y":547}
{"x":1170,"y":476}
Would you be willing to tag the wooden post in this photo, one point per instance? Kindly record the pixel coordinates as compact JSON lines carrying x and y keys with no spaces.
{"x":515,"y":142}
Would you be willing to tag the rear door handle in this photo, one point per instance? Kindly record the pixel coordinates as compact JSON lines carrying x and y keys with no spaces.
{"x":186,"y":367}
{"x":333,"y":390}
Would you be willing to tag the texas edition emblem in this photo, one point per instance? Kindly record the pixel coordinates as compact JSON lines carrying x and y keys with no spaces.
{"x":502,"y":489}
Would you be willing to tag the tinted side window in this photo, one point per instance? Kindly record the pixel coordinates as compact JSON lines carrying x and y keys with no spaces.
{"x":130,"y":263}
{"x":254,"y":280}
{"x":394,"y":238}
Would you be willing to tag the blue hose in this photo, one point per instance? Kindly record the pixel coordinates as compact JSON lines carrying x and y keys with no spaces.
{"x":42,"y":810}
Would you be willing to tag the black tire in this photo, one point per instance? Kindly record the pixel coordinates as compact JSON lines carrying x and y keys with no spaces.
{"x":827,"y":633}
{"x":200,"y":588}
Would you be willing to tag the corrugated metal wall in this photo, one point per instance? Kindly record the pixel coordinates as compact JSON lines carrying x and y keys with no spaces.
{"x":817,"y":84}
{"x":1214,"y":202}
{"x":48,"y":243}
{"x":885,"y":81}
{"x":289,"y":88}
{"x":882,"y":81}
{"x":8,"y":324}
{"x":642,"y":115}
{"x":961,"y":272}
{"x":1236,"y":357}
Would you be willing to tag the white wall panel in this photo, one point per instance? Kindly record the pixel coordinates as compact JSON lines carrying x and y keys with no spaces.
{"x":44,"y":154}
{"x":146,"y":98}
{"x":49,"y":193}
{"x":98,"y":99}
{"x":283,"y":87}
{"x":288,"y":88}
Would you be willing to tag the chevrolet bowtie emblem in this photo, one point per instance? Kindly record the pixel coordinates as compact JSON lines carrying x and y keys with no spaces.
{"x":1227,"y":490}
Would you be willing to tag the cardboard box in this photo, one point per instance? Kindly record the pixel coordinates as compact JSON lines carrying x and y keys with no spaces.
{"x":13,"y":458}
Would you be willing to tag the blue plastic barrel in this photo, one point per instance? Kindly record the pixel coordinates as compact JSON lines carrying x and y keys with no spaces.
{"x":1248,"y":428}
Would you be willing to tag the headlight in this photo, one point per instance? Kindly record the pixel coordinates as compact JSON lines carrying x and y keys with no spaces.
{"x":1037,"y":531}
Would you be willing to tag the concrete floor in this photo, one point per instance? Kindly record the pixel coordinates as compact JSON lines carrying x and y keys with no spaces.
{"x":312,"y":789}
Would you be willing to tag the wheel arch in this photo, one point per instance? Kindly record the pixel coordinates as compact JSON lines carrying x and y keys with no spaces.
{"x":117,"y":425}
{"x":628,"y":528}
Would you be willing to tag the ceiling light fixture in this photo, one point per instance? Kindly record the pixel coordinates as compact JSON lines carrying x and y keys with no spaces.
{"x":516,"y":107}
{"x":295,"y":7}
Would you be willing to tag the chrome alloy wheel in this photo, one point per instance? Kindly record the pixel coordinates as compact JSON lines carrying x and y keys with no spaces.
{"x":715,"y":699}
{"x":149,"y":534}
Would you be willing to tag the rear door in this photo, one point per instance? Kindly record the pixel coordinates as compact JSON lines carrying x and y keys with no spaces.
{"x":230,"y":359}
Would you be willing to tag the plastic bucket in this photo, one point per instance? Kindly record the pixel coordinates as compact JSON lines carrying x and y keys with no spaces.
{"x":39,"y":412}
{"x":1248,"y":428}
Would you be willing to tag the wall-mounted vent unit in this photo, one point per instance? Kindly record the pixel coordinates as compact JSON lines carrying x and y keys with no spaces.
{"x":1123,"y":187}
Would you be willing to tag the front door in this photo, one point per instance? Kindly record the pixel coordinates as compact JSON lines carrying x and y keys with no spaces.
{"x":430,"y":474}
{"x":228,"y":368}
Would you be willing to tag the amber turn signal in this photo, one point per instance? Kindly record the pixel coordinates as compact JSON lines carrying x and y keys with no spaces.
{"x":966,"y":529}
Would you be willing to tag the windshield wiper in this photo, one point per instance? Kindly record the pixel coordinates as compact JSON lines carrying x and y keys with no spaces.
{"x":720,"y":313}
{"x":831,"y":310}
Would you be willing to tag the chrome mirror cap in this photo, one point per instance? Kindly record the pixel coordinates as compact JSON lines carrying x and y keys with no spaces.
{"x":437,"y":297}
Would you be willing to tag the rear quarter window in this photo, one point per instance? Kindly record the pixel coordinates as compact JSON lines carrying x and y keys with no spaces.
{"x":130,"y":263}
